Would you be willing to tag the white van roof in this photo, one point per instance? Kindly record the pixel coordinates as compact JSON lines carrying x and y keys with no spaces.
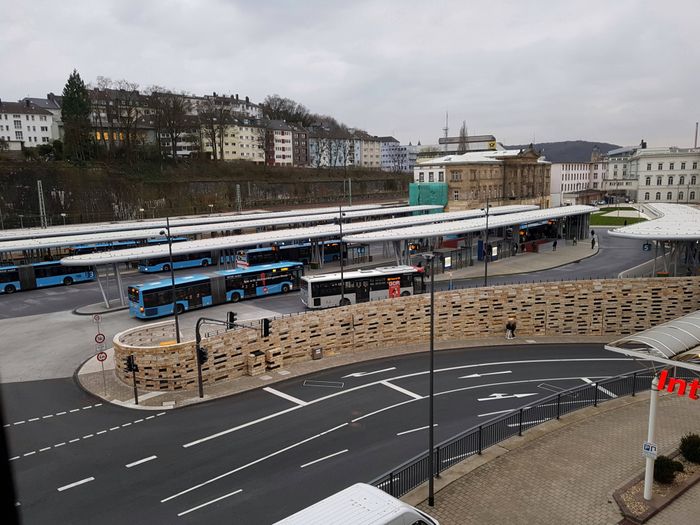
{"x":359,"y":504}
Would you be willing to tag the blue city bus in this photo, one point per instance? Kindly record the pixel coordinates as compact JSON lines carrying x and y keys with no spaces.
{"x":80,"y":249}
{"x":187,"y":260}
{"x":40,"y":275}
{"x":287,"y":252}
{"x":154,"y":299}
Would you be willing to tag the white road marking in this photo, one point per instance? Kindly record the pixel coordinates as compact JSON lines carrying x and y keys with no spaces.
{"x":20,"y":422}
{"x":114,"y":428}
{"x":44,"y":449}
{"x":60,"y":413}
{"x":363,"y":374}
{"x":33,"y":419}
{"x":74,"y":440}
{"x":495,"y":396}
{"x":46,"y":417}
{"x":66,"y":487}
{"x":87,"y":407}
{"x":160,"y":414}
{"x":138,"y":421}
{"x":150,"y":417}
{"x":212,"y":501}
{"x":14,"y":458}
{"x":495,"y":413}
{"x":402,"y":390}
{"x":285,"y":396}
{"x":530,"y":422}
{"x":29,"y":453}
{"x":101,"y":432}
{"x":74,"y":410}
{"x":259,"y":460}
{"x":126,"y":424}
{"x":604,"y":390}
{"x":460,"y":456}
{"x":59,"y":444}
{"x":382,"y":410}
{"x":471,"y":376}
{"x":149,"y":458}
{"x":88,"y":436}
{"x":415,"y":429}
{"x":325,"y":457}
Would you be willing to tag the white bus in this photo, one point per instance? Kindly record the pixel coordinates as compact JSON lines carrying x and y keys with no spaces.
{"x":360,"y":504}
{"x":361,"y":286}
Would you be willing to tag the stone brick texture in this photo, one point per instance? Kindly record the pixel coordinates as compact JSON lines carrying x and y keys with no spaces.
{"x":601,"y":307}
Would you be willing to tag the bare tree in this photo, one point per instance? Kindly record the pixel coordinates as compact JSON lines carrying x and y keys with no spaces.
{"x":276,"y":107}
{"x":129,"y":107}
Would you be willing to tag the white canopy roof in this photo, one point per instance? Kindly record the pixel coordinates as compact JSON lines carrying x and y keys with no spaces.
{"x":101,"y":227}
{"x":324,"y":231}
{"x":676,"y":343}
{"x":678,"y":222}
{"x":471,"y":225}
{"x":234,"y":224}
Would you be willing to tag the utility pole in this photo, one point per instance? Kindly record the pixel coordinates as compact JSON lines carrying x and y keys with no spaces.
{"x":42,"y":205}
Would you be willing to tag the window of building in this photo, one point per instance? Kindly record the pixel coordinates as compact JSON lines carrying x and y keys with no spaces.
{"x":681,"y":180}
{"x":692,"y":195}
{"x":670,"y":180}
{"x":648,"y":181}
{"x":441,"y":176}
{"x":658,"y":181}
{"x":695,"y":165}
{"x":18,"y":124}
{"x":421,"y":177}
{"x":646,"y":196}
{"x":661,"y":165}
{"x":680,"y":195}
{"x":669,"y":196}
{"x":455,"y":195}
{"x":18,"y":135}
{"x":682,"y":165}
{"x":648,"y":166}
{"x":431,"y":177}
{"x":693,"y":179}
{"x":670,"y":166}
{"x":658,"y":195}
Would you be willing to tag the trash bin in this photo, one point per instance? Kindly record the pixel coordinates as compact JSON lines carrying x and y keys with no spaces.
{"x":316,"y":353}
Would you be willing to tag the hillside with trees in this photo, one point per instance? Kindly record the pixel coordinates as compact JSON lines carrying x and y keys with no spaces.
{"x":569,"y":150}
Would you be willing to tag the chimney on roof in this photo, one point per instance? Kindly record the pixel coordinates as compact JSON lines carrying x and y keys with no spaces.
{"x":643,"y":144}
{"x":214,"y":93}
{"x":247,"y":100}
{"x":236,"y":96}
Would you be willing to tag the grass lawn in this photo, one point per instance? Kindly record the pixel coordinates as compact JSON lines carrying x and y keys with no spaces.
{"x":598,"y":219}
{"x":621,"y":208}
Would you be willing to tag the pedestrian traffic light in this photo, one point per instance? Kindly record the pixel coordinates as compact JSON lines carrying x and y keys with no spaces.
{"x":202,"y":355}
{"x":231,"y":319}
{"x":131,"y":365}
{"x":265,"y":327}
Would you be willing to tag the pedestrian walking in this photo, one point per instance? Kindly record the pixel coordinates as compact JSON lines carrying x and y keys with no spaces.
{"x":574,"y":241}
{"x":554,"y":245}
{"x":592,"y":243}
{"x":510,"y":329}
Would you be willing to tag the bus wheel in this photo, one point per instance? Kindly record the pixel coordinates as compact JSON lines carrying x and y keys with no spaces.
{"x":166,"y":267}
{"x":179,"y":309}
{"x":68,"y":281}
{"x":285,"y":288}
{"x":205,"y":263}
{"x":344,"y":302}
{"x":10,"y":288}
{"x":235,"y":297}
{"x":405,"y":293}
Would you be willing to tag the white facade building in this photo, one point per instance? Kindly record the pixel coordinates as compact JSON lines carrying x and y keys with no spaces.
{"x":569,"y":178}
{"x":23,"y":124}
{"x":667,"y":175}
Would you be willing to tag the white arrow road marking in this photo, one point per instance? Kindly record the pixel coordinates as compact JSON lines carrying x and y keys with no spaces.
{"x":66,"y":487}
{"x":325,"y":457}
{"x":604,"y":390}
{"x":471,"y":376}
{"x":140,"y":461}
{"x":210,"y":502}
{"x":362,"y":374}
{"x":494,"y":397}
{"x":285,"y":396}
{"x":402,"y":390}
{"x":415,"y":430}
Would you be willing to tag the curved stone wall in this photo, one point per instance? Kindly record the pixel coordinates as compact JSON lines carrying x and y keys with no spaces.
{"x":595,"y":307}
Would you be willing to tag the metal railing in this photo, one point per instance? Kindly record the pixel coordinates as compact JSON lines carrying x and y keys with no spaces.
{"x":414,"y":472}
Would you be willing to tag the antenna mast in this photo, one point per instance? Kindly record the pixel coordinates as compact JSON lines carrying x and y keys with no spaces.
{"x":446,"y":130}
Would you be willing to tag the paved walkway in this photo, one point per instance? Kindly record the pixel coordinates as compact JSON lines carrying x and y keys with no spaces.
{"x":564,"y":472}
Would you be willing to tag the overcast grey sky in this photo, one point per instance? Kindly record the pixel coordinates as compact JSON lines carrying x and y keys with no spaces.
{"x":614,"y":71}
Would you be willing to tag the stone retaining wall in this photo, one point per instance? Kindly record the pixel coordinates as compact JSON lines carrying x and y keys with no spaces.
{"x":595,"y":307}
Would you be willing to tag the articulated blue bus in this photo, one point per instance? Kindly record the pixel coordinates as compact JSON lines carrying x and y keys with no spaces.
{"x":80,"y":249}
{"x":287,"y":252}
{"x":154,"y":299}
{"x":40,"y":275}
{"x":187,"y":260}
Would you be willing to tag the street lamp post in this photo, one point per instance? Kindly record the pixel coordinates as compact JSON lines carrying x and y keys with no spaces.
{"x":486,"y":244}
{"x":172,"y":277}
{"x":430,"y":257}
{"x":63,"y":215}
{"x":342,"y":256}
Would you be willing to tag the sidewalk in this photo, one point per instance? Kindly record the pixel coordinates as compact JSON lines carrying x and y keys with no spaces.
{"x":564,"y":472}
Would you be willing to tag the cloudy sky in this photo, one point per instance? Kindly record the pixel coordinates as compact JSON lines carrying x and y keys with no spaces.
{"x":614,"y":71}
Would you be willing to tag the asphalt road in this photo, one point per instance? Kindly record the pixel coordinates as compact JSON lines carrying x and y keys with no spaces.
{"x":259,"y":456}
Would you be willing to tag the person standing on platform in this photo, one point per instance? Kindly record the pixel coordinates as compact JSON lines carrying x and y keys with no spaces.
{"x":592,"y":243}
{"x":554,"y":245}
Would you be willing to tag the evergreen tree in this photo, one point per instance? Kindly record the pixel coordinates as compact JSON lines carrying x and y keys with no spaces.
{"x":75,"y":112}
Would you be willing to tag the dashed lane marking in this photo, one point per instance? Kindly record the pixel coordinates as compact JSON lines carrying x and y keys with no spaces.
{"x":426,"y":427}
{"x":144,"y":460}
{"x":48,"y":416}
{"x":324,"y":458}
{"x":210,"y":502}
{"x":71,"y":485}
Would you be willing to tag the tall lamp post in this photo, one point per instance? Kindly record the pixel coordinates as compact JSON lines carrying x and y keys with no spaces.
{"x":172,"y":277}
{"x":486,"y":244}
{"x":430,"y":257}
{"x":342,"y":256}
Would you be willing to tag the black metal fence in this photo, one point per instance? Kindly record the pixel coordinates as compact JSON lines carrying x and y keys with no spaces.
{"x":414,"y":472}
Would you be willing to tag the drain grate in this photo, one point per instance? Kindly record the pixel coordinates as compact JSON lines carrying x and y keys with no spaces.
{"x":324,"y":384}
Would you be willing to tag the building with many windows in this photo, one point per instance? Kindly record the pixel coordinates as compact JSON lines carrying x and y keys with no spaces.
{"x":667,"y":175}
{"x":25,"y":125}
{"x":278,"y":143}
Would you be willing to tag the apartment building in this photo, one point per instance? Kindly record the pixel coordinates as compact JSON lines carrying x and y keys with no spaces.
{"x":279,"y":143}
{"x":667,"y":174}
{"x":23,"y":124}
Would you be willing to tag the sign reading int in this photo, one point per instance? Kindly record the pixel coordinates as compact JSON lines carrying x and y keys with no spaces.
{"x":670,"y":383}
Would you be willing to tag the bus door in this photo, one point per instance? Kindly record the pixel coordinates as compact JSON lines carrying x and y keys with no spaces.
{"x":27,"y":278}
{"x":418,"y":284}
{"x":362,"y":291}
{"x":250,"y":283}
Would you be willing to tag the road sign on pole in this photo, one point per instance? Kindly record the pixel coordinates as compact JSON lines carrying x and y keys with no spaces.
{"x":96,"y":318}
{"x":100,"y":338}
{"x":101,"y":356}
{"x":100,"y":347}
{"x":649,"y":450}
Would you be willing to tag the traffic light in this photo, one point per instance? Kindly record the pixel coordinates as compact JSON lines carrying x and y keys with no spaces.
{"x":231,"y":319}
{"x":202,"y":355}
{"x":131,"y":365}
{"x":265,"y":327}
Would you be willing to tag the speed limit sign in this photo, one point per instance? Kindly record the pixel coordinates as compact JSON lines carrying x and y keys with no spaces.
{"x":100,"y":338}
{"x":101,"y":356}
